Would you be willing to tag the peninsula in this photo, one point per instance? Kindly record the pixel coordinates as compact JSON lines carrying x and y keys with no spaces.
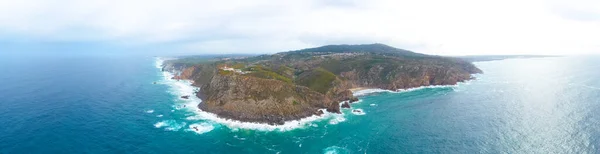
{"x":296,"y":84}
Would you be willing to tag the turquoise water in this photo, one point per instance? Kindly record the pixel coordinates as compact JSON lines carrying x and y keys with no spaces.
{"x":109,"y":104}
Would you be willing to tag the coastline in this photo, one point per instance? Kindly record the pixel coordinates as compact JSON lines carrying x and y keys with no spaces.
{"x":361,"y":91}
{"x":185,"y":88}
{"x":358,"y":89}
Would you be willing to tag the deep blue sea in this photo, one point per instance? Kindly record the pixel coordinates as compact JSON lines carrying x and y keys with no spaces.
{"x":110,"y":104}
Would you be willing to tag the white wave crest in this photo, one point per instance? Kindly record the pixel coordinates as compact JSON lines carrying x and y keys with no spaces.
{"x":160,"y":124}
{"x":159,"y":62}
{"x":368,"y":91}
{"x":149,"y":111}
{"x":288,"y":125}
{"x":358,"y":112}
{"x":376,"y":90}
{"x":335,"y":150}
{"x":170,"y":125}
{"x":337,"y":120}
{"x":201,"y":128}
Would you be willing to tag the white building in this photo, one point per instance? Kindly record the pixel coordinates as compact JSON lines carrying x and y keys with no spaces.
{"x":227,"y":68}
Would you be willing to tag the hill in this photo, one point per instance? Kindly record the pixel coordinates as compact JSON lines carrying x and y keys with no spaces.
{"x":296,"y":84}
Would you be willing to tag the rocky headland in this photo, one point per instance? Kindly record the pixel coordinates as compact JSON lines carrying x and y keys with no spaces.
{"x":297,"y":84}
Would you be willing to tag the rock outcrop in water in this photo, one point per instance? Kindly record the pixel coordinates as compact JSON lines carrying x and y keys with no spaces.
{"x":296,"y":84}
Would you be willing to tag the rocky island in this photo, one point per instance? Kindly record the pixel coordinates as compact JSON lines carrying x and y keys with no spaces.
{"x":296,"y":84}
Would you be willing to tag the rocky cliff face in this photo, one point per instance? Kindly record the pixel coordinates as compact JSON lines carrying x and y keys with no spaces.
{"x":261,"y":100}
{"x":293,"y":85}
{"x":403,"y":77}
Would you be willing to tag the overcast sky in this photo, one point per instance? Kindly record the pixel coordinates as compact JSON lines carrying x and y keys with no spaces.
{"x":443,"y":27}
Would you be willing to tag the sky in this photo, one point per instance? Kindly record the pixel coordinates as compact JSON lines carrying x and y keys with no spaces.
{"x":441,"y":27}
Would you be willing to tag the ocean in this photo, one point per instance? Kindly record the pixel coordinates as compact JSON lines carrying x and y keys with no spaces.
{"x":124,"y":104}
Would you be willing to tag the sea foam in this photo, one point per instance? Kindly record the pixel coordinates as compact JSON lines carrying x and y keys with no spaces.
{"x":170,"y":125}
{"x":337,"y":119}
{"x":335,"y":150}
{"x":160,"y":124}
{"x":358,"y":112}
{"x":288,"y":125}
{"x":376,"y":90}
{"x":159,"y":63}
{"x":201,"y":128}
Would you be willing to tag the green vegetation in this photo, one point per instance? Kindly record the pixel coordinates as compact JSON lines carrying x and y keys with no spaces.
{"x":260,"y":72}
{"x":286,"y":71}
{"x":336,"y":66}
{"x":322,"y":68}
{"x":238,"y":66}
{"x":370,"y":48}
{"x":224,"y":72}
{"x":190,"y":61}
{"x":319,"y":80}
{"x":290,"y":85}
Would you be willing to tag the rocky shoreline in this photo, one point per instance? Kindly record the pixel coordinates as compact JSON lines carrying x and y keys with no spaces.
{"x":246,"y":99}
{"x":294,"y":85}
{"x":272,"y":120}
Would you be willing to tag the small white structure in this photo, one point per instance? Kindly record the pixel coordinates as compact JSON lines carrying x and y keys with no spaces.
{"x":225,"y":68}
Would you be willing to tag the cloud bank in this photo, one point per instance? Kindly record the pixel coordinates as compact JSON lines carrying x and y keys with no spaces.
{"x":461,"y":27}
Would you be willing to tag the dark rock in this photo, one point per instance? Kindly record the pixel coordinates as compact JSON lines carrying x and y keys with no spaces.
{"x":252,"y":99}
{"x":354,"y":99}
{"x":345,"y":105}
{"x":319,"y":112}
{"x":334,"y":108}
{"x":357,"y":111}
{"x":185,"y":97}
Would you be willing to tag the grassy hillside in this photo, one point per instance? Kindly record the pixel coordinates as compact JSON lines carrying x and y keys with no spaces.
{"x":368,"y":65}
{"x":318,"y":79}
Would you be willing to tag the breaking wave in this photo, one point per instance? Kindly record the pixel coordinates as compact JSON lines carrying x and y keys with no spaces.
{"x":201,"y":128}
{"x":159,"y":63}
{"x":335,"y":150}
{"x":358,"y":112}
{"x":288,"y":125}
{"x":170,"y":125}
{"x":377,"y":90}
{"x":337,"y":120}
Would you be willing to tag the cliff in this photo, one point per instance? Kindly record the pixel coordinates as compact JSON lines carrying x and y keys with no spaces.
{"x":262,"y":100}
{"x":296,"y":84}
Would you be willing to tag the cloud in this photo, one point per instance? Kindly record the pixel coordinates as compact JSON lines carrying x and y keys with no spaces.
{"x":582,"y":10}
{"x":458,"y":27}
